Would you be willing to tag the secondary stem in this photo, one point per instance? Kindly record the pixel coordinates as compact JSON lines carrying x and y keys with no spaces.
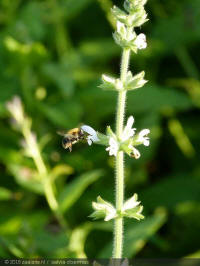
{"x":118,"y":229}
{"x":46,"y":181}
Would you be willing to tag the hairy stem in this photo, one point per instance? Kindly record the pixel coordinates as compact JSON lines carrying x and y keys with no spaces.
{"x":118,"y":229}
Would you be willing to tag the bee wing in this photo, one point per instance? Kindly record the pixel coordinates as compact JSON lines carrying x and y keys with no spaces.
{"x":62,"y":132}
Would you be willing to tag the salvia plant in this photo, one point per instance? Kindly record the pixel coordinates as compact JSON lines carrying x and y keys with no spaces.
{"x":124,"y":139}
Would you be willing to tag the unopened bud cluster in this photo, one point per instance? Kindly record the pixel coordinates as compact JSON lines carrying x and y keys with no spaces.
{"x":23,"y":123}
{"x":126,"y":37}
{"x":133,"y":16}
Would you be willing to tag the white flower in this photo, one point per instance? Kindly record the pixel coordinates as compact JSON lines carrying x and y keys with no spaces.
{"x":139,"y":139}
{"x":113,"y":147}
{"x":142,"y":137}
{"x":128,"y":131}
{"x":15,"y":108}
{"x":92,"y":134}
{"x":140,"y":41}
{"x":128,"y":140}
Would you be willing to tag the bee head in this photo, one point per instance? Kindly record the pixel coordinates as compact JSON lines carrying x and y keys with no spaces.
{"x":66,"y":142}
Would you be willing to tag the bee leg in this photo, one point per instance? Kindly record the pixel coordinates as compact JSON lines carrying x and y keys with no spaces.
{"x":70,"y":148}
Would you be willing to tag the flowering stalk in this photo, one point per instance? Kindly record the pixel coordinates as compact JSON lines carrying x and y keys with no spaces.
{"x":125,"y":139}
{"x":23,"y":124}
{"x":118,"y":229}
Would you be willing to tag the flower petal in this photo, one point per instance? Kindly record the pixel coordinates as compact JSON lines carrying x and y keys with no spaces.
{"x":128,"y":131}
{"x":89,"y":141}
{"x":93,"y":134}
{"x":144,"y":132}
{"x":130,"y":121}
{"x":88,"y":130}
{"x":142,"y":137}
{"x":140,"y":41}
{"x":113,"y":147}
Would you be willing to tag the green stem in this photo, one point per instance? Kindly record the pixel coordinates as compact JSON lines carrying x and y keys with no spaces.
{"x":45,"y":179}
{"x":118,"y":229}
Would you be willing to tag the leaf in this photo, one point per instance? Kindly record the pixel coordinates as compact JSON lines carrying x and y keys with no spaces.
{"x":5,"y":194}
{"x":27,"y":178}
{"x":78,"y":238}
{"x":62,"y":114}
{"x":72,"y":191}
{"x":156,"y":98}
{"x":171,"y":191}
{"x":150,"y":98}
{"x":174,"y":38}
{"x":61,"y":77}
{"x":61,"y":169}
{"x":195,"y":255}
{"x":10,"y":223}
{"x":136,"y":235}
{"x":99,"y":50}
{"x":13,"y":249}
{"x":47,"y":243}
{"x":33,"y":25}
{"x":74,"y":7}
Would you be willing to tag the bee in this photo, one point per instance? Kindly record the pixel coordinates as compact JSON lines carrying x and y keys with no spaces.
{"x":71,"y":137}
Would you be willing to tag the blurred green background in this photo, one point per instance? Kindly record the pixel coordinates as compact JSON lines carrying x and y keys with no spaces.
{"x":52,"y":55}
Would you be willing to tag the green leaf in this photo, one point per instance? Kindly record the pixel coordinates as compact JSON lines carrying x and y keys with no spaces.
{"x":61,"y":169}
{"x":5,"y":194}
{"x":72,"y":191}
{"x":99,"y":50}
{"x":137,"y":235}
{"x":27,"y":178}
{"x":61,"y":114}
{"x":13,"y":249}
{"x":74,"y":7}
{"x":156,"y":98}
{"x":61,"y":77}
{"x":78,"y":238}
{"x":195,"y":255}
{"x":174,"y":38}
{"x":171,"y":191}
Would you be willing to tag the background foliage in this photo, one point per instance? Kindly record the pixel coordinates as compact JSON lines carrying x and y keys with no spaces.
{"x":52,"y":55}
